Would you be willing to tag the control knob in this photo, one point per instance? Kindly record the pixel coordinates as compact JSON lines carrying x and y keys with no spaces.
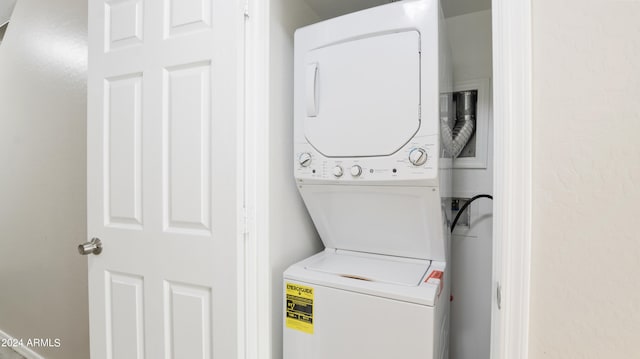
{"x":304,"y":159}
{"x":337,"y":171}
{"x":418,"y":156}
{"x":356,"y":170}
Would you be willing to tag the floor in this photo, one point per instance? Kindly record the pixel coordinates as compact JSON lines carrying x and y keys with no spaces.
{"x":6,"y":353}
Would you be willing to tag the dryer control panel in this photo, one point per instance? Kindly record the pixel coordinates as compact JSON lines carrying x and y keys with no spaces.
{"x":417,"y":160}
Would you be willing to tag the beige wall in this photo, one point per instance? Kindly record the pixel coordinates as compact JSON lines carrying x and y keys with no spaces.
{"x":292,"y":236}
{"x":43,"y":281}
{"x":585,"y":294}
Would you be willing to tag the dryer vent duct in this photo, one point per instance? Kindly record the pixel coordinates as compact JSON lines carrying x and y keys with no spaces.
{"x":457,"y":137}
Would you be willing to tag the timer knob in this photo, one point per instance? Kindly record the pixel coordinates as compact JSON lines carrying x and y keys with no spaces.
{"x":356,"y":170}
{"x":418,"y":156}
{"x":337,"y":171}
{"x":304,"y":159}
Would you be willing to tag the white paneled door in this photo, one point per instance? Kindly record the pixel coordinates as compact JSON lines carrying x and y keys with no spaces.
{"x":164,"y":177}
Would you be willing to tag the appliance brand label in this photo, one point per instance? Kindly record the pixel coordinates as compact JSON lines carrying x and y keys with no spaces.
{"x":299,"y":313}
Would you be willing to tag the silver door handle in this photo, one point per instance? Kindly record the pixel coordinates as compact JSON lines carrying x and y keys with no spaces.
{"x":92,"y":247}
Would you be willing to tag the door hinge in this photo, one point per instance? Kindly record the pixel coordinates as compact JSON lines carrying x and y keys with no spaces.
{"x":245,"y":221}
{"x":499,"y":295}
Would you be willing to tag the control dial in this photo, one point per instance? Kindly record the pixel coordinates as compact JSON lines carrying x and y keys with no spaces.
{"x":418,"y":156}
{"x":304,"y":159}
{"x":356,"y":170}
{"x":337,"y":171}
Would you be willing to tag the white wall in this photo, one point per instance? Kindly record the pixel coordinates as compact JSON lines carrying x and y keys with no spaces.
{"x":292,"y":235}
{"x":43,"y":280}
{"x":585,"y":292}
{"x":470,"y":39}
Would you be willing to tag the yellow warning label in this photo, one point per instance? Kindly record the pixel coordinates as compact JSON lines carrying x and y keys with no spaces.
{"x":299,"y":308}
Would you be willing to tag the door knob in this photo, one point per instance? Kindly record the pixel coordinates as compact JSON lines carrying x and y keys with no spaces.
{"x":94,"y":246}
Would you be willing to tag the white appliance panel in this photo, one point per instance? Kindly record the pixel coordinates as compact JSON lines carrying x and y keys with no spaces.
{"x":395,"y":169}
{"x":363,"y":96}
{"x":366,"y":101}
{"x":398,"y":18}
{"x":397,"y":221}
{"x":425,"y":293}
{"x":351,"y":325}
{"x":371,"y":267}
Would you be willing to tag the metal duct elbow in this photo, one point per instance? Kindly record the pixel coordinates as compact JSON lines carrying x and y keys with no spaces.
{"x":454,"y":139}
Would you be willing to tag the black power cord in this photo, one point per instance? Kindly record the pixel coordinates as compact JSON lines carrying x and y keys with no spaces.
{"x":465,"y":205}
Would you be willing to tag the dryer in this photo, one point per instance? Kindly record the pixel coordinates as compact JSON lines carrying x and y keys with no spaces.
{"x":372,"y":93}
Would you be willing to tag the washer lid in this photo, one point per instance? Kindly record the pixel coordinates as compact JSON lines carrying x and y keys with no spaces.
{"x":363,"y":96}
{"x":399,"y":221}
{"x":372,"y":267}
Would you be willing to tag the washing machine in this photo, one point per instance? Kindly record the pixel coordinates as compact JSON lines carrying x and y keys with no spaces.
{"x":372,"y":94}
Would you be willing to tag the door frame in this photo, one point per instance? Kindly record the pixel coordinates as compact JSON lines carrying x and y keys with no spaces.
{"x":512,"y":115}
{"x":257,"y":280}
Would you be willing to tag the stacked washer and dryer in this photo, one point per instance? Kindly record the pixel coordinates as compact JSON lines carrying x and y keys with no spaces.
{"x":372,"y":100}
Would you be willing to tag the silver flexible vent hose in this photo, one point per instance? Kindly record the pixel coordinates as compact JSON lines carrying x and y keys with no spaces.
{"x":455,"y":139}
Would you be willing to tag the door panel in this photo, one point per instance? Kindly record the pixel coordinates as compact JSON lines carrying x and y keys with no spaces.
{"x":123,"y":23}
{"x":164,"y":182}
{"x":125,"y":317}
{"x":185,"y":16}
{"x":123,"y":151}
{"x":185,"y":305}
{"x":187,"y":148}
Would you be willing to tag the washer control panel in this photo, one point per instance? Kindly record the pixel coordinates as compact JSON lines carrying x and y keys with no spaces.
{"x":418,"y":156}
{"x":356,"y":170}
{"x":337,"y":171}
{"x":304,"y":159}
{"x":417,"y":160}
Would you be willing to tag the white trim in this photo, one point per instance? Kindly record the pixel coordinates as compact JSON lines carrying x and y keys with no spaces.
{"x":242,"y":255}
{"x":20,"y":349}
{"x":257,"y":263}
{"x":512,"y":177}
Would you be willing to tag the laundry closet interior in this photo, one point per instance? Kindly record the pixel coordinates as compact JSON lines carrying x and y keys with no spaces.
{"x":292,"y":235}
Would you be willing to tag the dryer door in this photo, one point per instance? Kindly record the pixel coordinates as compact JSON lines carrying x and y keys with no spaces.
{"x":363,"y":96}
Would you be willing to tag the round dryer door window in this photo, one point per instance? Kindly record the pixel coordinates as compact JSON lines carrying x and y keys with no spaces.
{"x":363,"y":96}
